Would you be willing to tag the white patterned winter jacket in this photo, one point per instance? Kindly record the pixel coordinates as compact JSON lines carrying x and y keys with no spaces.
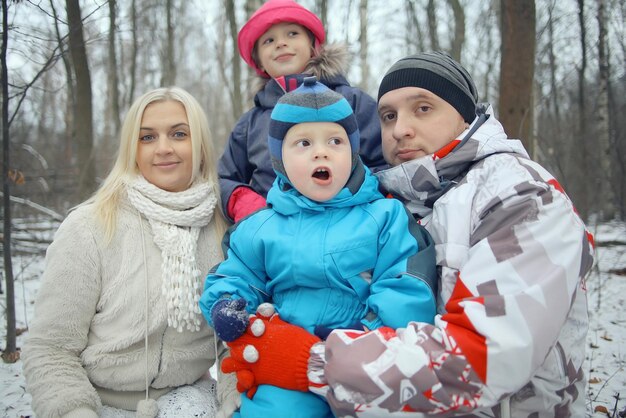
{"x":87,"y":337}
{"x":509,"y":337}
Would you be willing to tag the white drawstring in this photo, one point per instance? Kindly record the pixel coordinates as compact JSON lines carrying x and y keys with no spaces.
{"x":505,"y":407}
{"x":145,"y":273}
{"x":147,"y":408}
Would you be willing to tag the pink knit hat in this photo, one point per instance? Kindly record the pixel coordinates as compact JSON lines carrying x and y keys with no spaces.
{"x":271,"y":13}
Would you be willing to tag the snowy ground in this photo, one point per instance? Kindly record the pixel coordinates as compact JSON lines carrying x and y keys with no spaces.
{"x":606,"y":343}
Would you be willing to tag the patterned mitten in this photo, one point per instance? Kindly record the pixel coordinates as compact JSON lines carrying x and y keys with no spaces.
{"x":230,"y":318}
{"x":271,"y":352}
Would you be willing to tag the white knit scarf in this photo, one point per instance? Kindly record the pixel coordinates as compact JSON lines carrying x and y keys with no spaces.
{"x":176,"y":219}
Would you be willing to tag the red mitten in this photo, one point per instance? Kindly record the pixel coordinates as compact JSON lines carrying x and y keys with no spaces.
{"x":278,"y":357}
{"x":243,"y":201}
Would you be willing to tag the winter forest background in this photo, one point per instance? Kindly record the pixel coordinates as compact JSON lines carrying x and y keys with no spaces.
{"x":554,"y":71}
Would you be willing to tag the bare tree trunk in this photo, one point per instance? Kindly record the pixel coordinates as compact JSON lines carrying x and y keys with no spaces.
{"x":106,"y":149}
{"x":113,"y":81}
{"x":365,"y":68}
{"x":235,"y":86}
{"x":416,"y":41}
{"x":322,"y":6}
{"x":168,"y":77}
{"x":70,"y":104}
{"x":554,"y":97}
{"x":250,"y":6}
{"x":456,"y":45}
{"x":10,"y":353}
{"x":83,"y":120}
{"x":133,"y":54}
{"x":517,"y":68}
{"x":432,"y":25}
{"x":489,"y":51}
{"x":607,"y":207}
{"x":582,"y":200}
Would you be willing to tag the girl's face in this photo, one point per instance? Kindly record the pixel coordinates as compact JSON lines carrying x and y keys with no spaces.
{"x":416,"y":122}
{"x":284,"y":49}
{"x":164,"y":152}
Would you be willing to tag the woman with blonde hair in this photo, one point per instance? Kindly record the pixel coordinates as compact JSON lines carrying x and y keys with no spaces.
{"x":117,"y":325}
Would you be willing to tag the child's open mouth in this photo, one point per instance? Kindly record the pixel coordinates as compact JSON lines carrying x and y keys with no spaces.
{"x":321,"y":175}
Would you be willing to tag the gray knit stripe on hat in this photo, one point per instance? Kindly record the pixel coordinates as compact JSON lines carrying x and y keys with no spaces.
{"x":438,"y":73}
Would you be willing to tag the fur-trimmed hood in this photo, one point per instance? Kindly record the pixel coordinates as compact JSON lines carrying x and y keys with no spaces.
{"x":333,"y":60}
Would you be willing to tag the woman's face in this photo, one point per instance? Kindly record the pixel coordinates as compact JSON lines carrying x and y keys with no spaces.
{"x":164,"y":153}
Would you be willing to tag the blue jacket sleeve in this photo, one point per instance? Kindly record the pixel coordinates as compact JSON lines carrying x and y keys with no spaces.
{"x":404,"y":282}
{"x":241,"y":274}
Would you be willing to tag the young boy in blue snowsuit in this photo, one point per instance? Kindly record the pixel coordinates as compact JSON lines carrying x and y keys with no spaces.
{"x":329,"y":251}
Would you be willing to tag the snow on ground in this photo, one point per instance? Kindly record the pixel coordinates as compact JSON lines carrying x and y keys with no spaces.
{"x":605,"y":365}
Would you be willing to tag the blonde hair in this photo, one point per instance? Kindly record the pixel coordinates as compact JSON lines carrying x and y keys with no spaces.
{"x":107,"y":198}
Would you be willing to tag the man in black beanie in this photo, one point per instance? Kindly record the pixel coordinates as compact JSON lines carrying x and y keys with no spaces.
{"x":509,"y":337}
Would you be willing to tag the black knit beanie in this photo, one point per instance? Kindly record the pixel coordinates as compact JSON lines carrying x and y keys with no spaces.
{"x":438,"y":73}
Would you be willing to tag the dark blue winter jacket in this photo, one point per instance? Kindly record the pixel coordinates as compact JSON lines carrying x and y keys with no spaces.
{"x":246,"y":159}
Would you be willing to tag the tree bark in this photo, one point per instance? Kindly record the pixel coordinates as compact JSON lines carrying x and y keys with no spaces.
{"x":83,"y":120}
{"x":432,"y":25}
{"x":606,"y":198}
{"x":363,"y":43}
{"x":416,"y":41}
{"x":322,"y":6}
{"x":112,"y":79}
{"x":582,"y":198}
{"x":456,"y":44}
{"x":70,"y":104}
{"x":10,"y":353}
{"x":517,"y":68}
{"x":133,"y":54}
{"x":235,"y":86}
{"x":168,"y":78}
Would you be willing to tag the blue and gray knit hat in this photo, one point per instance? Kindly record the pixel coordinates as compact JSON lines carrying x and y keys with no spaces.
{"x":311,"y":102}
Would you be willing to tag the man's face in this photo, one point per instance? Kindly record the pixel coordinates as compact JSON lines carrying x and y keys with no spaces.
{"x":416,"y":122}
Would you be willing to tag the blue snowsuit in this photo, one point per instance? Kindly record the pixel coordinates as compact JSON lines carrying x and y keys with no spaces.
{"x":356,"y":257}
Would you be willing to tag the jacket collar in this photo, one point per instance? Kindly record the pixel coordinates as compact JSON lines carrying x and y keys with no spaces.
{"x":328,"y":66}
{"x":362,"y":187}
{"x":421,"y":182}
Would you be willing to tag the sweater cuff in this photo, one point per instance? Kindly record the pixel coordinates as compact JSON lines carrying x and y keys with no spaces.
{"x":82,"y":412}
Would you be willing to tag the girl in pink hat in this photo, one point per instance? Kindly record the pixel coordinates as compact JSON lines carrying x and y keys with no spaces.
{"x":284,"y":42}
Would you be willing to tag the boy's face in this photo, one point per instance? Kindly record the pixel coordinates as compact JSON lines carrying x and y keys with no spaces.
{"x":317,"y":158}
{"x":284,"y":49}
{"x":415,"y":122}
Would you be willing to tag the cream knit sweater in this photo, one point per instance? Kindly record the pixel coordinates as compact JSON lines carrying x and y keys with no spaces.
{"x":90,"y":323}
